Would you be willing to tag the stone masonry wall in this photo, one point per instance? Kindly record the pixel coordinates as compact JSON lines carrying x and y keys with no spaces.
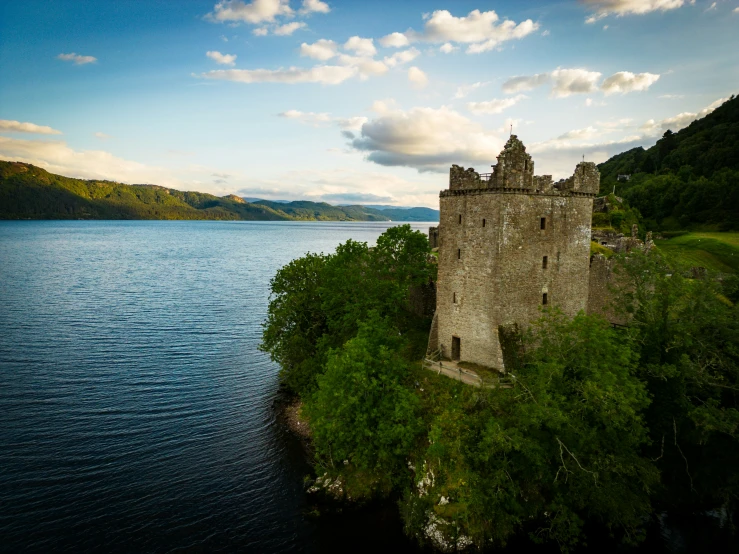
{"x":492,"y":274}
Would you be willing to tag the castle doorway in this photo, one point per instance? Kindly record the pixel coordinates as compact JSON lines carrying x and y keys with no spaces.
{"x":456,"y":348}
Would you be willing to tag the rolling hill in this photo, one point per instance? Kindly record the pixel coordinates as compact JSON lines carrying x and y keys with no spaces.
{"x":30,"y":192}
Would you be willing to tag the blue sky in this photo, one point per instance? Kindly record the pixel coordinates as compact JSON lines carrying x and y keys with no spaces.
{"x":348,"y":101}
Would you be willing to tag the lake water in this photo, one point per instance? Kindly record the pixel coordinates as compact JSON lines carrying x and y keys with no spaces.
{"x":135,"y":409}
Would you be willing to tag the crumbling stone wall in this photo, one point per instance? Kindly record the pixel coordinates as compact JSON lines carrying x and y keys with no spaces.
{"x":492,"y":268}
{"x":515,"y":168}
{"x":434,"y":237}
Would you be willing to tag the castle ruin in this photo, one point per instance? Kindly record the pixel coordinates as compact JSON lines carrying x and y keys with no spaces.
{"x":509,"y":242}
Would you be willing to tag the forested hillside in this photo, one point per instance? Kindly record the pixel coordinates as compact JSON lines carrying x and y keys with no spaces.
{"x":688,"y":179}
{"x":29,"y":192}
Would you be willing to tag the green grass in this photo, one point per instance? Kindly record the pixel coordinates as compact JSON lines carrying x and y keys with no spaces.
{"x":714,"y":251}
{"x":596,"y":248}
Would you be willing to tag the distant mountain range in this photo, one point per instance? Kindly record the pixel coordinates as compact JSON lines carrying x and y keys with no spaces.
{"x":29,"y":192}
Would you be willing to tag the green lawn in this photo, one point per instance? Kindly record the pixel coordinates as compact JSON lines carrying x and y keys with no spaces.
{"x":714,"y":251}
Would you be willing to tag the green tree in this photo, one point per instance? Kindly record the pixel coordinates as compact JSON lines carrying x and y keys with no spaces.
{"x":687,"y":335}
{"x":559,"y":449}
{"x":318,"y":300}
{"x":364,"y":415}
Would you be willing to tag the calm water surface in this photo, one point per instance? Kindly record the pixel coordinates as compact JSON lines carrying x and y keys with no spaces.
{"x":135,"y":408}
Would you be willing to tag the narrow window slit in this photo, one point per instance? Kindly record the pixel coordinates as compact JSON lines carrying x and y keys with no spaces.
{"x":483,"y":223}
{"x":543,"y":223}
{"x":544,"y":299}
{"x":544,"y":262}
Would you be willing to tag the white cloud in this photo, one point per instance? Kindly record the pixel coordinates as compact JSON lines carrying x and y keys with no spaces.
{"x":365,"y":67}
{"x":679,"y":121}
{"x":309,"y":118}
{"x":427,"y":139}
{"x":573,"y":81}
{"x":101,"y":136}
{"x":260,"y":32}
{"x":256,"y":11}
{"x":315,"y":6}
{"x":494,"y":106}
{"x":481,"y":30}
{"x":361,"y":46}
{"x":564,"y":82}
{"x":221,"y":59}
{"x":671,"y":96}
{"x":523,"y":83}
{"x":417,"y":77}
{"x":625,"y":81}
{"x":711,"y":7}
{"x":464,"y":90}
{"x":545,"y":33}
{"x":322,"y":49}
{"x":735,"y":10}
{"x":76,"y":58}
{"x":604,"y":8}
{"x":394,"y":40}
{"x":288,"y":28}
{"x":447,"y":48}
{"x":324,"y":74}
{"x":402,"y":57}
{"x":10,"y":126}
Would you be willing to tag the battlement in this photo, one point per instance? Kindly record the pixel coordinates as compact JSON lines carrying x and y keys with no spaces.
{"x":514,"y":173}
{"x":509,"y":244}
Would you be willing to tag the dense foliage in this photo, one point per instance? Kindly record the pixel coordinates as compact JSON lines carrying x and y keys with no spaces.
{"x":689,"y":178}
{"x":29,"y":192}
{"x":319,"y":300}
{"x":600,"y":429}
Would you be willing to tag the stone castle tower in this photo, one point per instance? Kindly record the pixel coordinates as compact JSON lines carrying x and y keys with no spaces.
{"x":509,"y":243}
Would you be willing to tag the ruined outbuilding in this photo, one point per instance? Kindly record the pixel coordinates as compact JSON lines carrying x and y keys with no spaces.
{"x":509,"y":243}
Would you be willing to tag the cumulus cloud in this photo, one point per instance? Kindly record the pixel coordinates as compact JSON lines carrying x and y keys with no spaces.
{"x":11,"y":126}
{"x":679,"y":121}
{"x":625,"y":81}
{"x":402,"y":57}
{"x":360,"y":46}
{"x":260,"y":32}
{"x":524,"y":83}
{"x":76,"y":58}
{"x":394,"y":40}
{"x":494,"y":106}
{"x":604,"y":8}
{"x":314,"y":6}
{"x":288,"y":28}
{"x":221,"y":59}
{"x":447,"y":48}
{"x":483,"y":31}
{"x":101,"y":136}
{"x":365,"y":67}
{"x":322,"y":49}
{"x":309,"y":118}
{"x":324,"y":74}
{"x":417,"y":77}
{"x":565,"y":82}
{"x":256,"y":11}
{"x":427,"y":139}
